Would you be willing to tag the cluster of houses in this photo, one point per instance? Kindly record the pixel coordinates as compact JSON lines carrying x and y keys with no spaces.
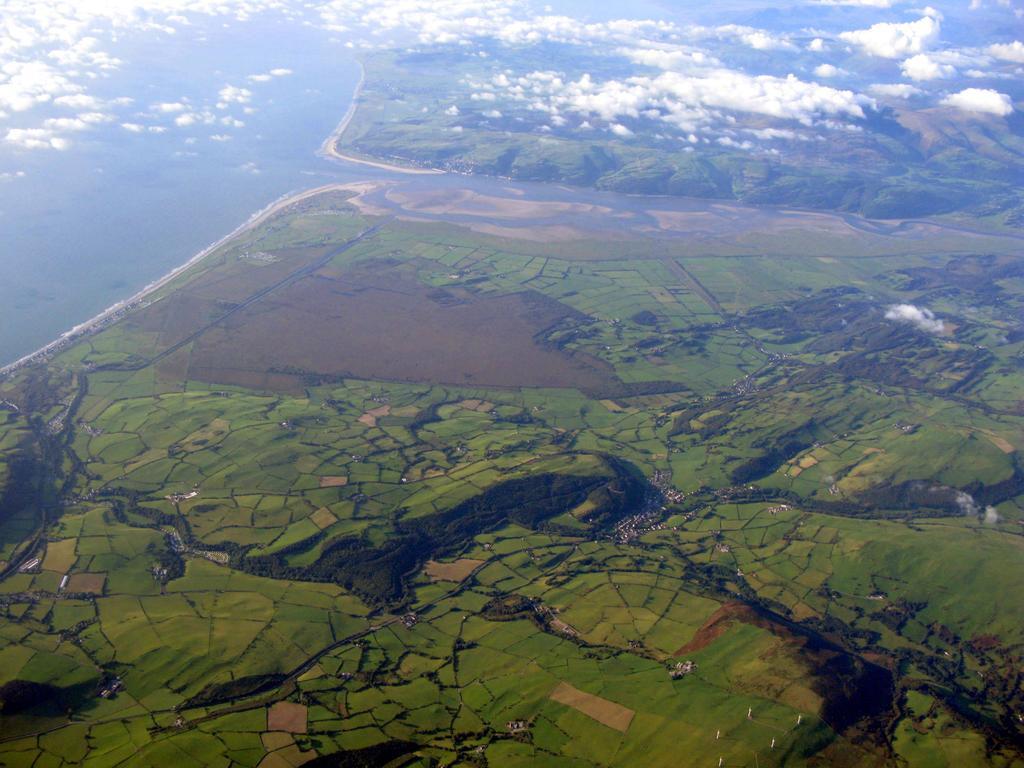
{"x":177,"y":498}
{"x":179,"y":547}
{"x":260,"y":256}
{"x":649,"y":518}
{"x":110,"y":690}
{"x":637,"y":525}
{"x":662,"y":481}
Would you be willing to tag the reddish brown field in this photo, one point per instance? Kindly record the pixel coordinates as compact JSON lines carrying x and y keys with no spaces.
{"x":185,"y":311}
{"x":454,"y":571}
{"x":370,"y":417}
{"x":287,"y":716}
{"x":86,"y":582}
{"x":389,"y":326}
{"x":605,"y":712}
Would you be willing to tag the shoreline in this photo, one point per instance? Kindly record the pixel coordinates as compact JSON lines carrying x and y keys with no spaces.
{"x":329,"y":147}
{"x":118,"y":309}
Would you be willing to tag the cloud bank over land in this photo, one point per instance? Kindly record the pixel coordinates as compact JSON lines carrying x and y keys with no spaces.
{"x":53,"y":54}
{"x":685,"y":101}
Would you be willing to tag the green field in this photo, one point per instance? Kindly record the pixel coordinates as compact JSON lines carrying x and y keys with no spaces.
{"x":654,"y":458}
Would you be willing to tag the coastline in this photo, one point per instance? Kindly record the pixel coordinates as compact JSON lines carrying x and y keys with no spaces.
{"x":119,"y":309}
{"x":330,"y":151}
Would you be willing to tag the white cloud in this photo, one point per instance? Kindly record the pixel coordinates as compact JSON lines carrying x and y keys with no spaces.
{"x":858,"y":3}
{"x":769,"y":134}
{"x":169,"y":107}
{"x":669,"y":57}
{"x":924,"y":67}
{"x":1008,"y":51}
{"x":921,"y":318}
{"x":462,"y":21}
{"x":231,"y":94}
{"x":728,"y":141}
{"x":980,"y":100}
{"x":77,"y":101}
{"x":978,"y":4}
{"x":686,"y":101}
{"x":828,"y":70}
{"x":79,"y":122}
{"x":817,"y":44}
{"x":35,"y":138}
{"x":894,"y":90}
{"x":966,"y":503}
{"x":267,"y":76}
{"x":65,"y":124}
{"x":981,"y":74}
{"x":620,"y":130}
{"x":133,"y":127}
{"x":84,"y":52}
{"x":758,"y":39}
{"x":24,"y":85}
{"x":896,"y":40}
{"x":52,"y":52}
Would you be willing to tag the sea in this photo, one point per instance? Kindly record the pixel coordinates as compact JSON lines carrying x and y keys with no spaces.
{"x":83,"y":228}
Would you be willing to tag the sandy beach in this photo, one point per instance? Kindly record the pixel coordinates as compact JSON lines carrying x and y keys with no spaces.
{"x":329,"y":148}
